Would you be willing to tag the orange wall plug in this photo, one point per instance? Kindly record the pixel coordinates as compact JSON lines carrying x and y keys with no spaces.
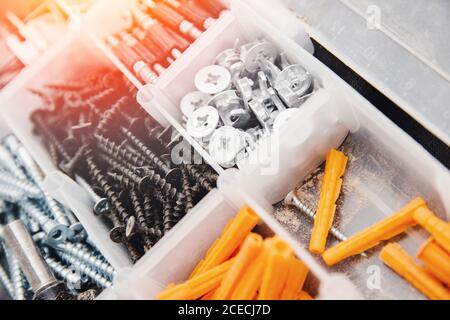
{"x":329,"y":193}
{"x":230,"y":240}
{"x":436,"y":259}
{"x":250,"y":249}
{"x":198,"y":286}
{"x":372,"y":236}
{"x":297,"y":274}
{"x":279,"y":255}
{"x":439,"y":229}
{"x":397,"y":259}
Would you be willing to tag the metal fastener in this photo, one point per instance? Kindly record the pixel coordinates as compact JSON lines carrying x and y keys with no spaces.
{"x":213,"y":79}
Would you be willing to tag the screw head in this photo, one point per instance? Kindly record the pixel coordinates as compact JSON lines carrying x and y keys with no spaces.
{"x":226,"y":143}
{"x":293,"y":83}
{"x":192,"y":101}
{"x":117,"y":234}
{"x":213,"y":79}
{"x":203,"y":122}
{"x":77,"y":233}
{"x":102,"y":207}
{"x":57,"y":235}
{"x":253,"y":53}
{"x":227,"y":58}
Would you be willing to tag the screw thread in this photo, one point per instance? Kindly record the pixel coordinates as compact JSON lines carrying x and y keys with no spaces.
{"x":53,"y":152}
{"x":81,"y":267}
{"x":17,"y":278}
{"x":120,"y":152}
{"x":199,"y":178}
{"x":187,"y":192}
{"x":7,"y":160}
{"x":37,"y":214}
{"x":107,"y":189}
{"x":31,"y":167}
{"x":141,"y":218}
{"x":63,"y":272}
{"x":11,"y":193}
{"x":7,"y":284}
{"x":110,"y":115}
{"x":170,"y":218}
{"x":82,"y":253}
{"x":155,"y":228}
{"x":153,"y":158}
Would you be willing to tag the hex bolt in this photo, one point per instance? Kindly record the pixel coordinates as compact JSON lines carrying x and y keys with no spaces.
{"x":101,"y":206}
{"x":83,"y":268}
{"x":28,"y":188}
{"x":83,"y":254}
{"x":56,"y":232}
{"x":23,"y":248}
{"x":69,"y":275}
{"x":292,"y":200}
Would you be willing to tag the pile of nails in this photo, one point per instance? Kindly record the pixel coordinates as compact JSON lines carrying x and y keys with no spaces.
{"x":61,"y":239}
{"x":159,"y":31}
{"x":249,"y":93}
{"x":10,"y":64}
{"x":123,"y":159}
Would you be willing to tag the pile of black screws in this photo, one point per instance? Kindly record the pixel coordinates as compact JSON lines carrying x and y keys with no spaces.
{"x":61,"y":239}
{"x":97,"y":133}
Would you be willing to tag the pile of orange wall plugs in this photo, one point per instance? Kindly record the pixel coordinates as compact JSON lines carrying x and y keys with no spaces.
{"x":241,"y":265}
{"x":431,"y":278}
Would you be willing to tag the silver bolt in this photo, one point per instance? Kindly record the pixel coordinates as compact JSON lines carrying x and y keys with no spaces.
{"x":31,"y":190}
{"x":24,"y":249}
{"x":292,"y":200}
{"x":56,"y":232}
{"x":83,"y":268}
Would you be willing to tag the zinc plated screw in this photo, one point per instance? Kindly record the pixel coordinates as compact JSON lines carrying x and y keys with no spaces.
{"x":292,"y":200}
{"x":82,"y":253}
{"x":7,"y":284}
{"x":17,"y":278}
{"x":11,"y":194}
{"x":70,"y":276}
{"x":81,"y":267}
{"x":31,"y":190}
{"x":7,"y":160}
{"x":56,"y":232}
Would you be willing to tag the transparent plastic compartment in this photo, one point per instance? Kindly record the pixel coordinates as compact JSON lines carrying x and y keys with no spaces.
{"x":17,"y":105}
{"x":325,"y":121}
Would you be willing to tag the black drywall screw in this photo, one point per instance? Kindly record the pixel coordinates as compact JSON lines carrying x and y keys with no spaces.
{"x":173,"y":176}
{"x":51,"y":137}
{"x":120,"y":152}
{"x":117,"y":233}
{"x":197,"y":175}
{"x":127,"y":177}
{"x":170,"y":219}
{"x":187,"y":192}
{"x":152,"y":220}
{"x":106,"y":188}
{"x":69,"y":166}
{"x":110,"y":115}
{"x":140,"y":219}
{"x":53,"y":154}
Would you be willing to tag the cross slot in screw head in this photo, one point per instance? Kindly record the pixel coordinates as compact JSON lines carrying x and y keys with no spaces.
{"x":213,"y":79}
